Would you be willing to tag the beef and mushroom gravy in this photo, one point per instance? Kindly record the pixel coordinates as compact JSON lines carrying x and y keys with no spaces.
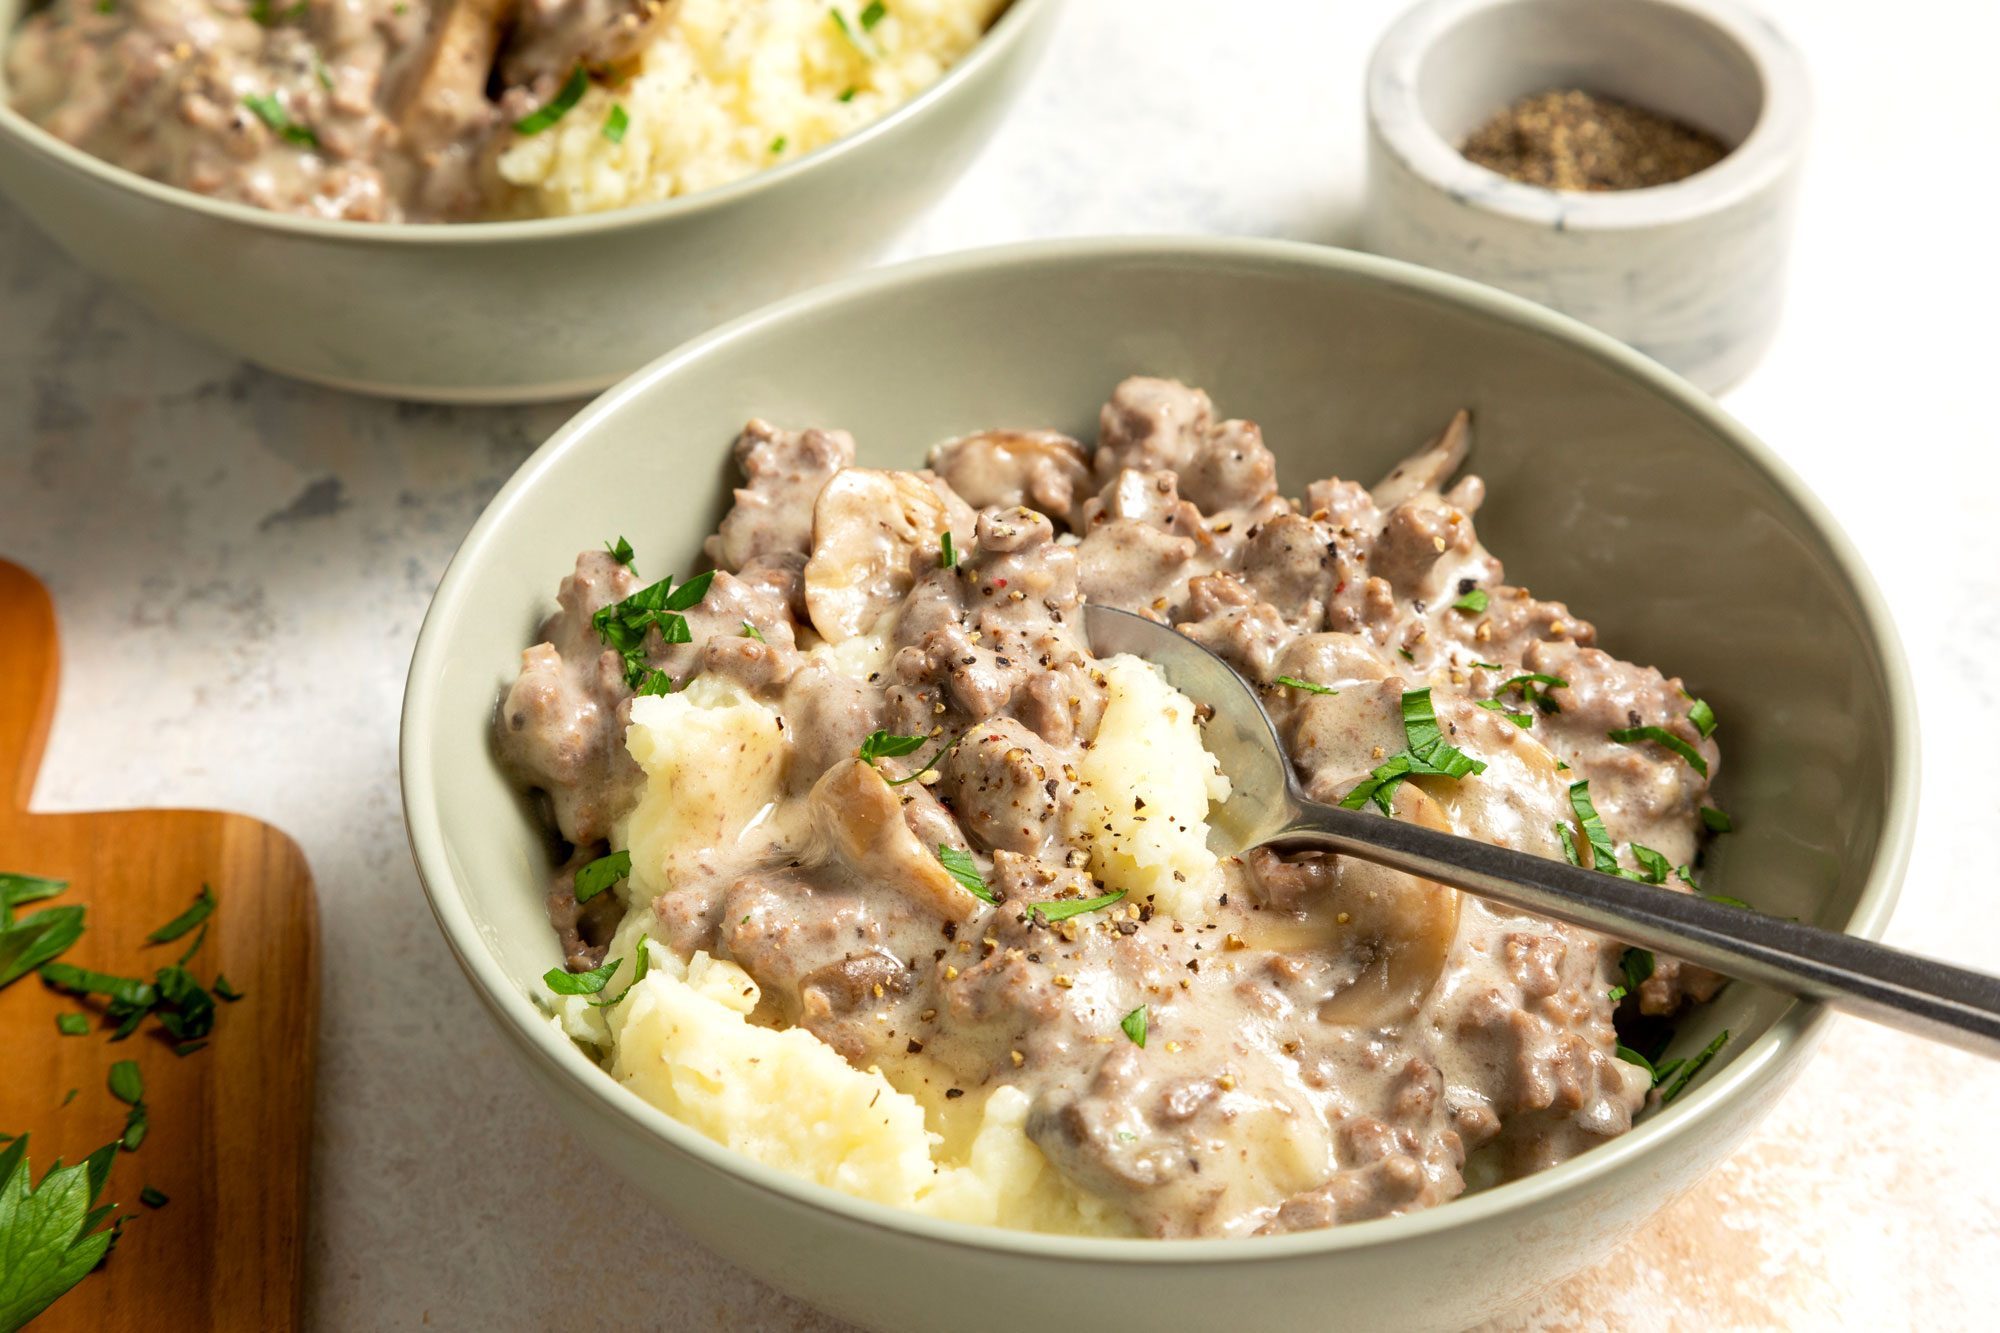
{"x":856,"y":825}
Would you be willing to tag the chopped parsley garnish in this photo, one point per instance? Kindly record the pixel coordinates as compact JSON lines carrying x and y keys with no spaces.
{"x":204,"y":903}
{"x":36,"y":939}
{"x":1637,"y":964}
{"x":1630,"y":1056}
{"x":49,"y":1232}
{"x":929,"y":763}
{"x":1661,"y":736}
{"x":1134,"y":1026}
{"x":616,"y":122}
{"x":880,"y":744}
{"x":621,"y":551}
{"x":556,"y":107}
{"x":601,"y":874}
{"x":750,"y":631}
{"x":225,"y":991}
{"x":1295,"y":683}
{"x":847,"y":93}
{"x":961,"y":867}
{"x":580,"y":983}
{"x":127,"y":1084}
{"x":1523,"y":720}
{"x":654,"y":682}
{"x":261,"y":11}
{"x":1615,"y":994}
{"x":1703,"y":718}
{"x":18,"y":889}
{"x":200,"y":938}
{"x":947,"y":553}
{"x":778,"y":144}
{"x":1715,"y":821}
{"x":1472,"y":603}
{"x":1601,"y":854}
{"x":1728,"y":901}
{"x":639,"y":964}
{"x":1065,"y":908}
{"x":1428,"y":754}
{"x":1489,"y":666}
{"x":1652,"y":866}
{"x":152,"y":1198}
{"x":271,"y":111}
{"x":1539,"y":698}
{"x":623,"y":625}
{"x":73,"y":1025}
{"x":1569,"y":845}
{"x":873,"y":14}
{"x":1690,"y":1067}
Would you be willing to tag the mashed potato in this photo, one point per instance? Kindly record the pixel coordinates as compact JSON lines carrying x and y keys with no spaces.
{"x":734,"y":86}
{"x":682,"y":1036}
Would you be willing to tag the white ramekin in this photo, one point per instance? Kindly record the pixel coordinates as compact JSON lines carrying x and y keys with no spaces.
{"x":1691,"y":273}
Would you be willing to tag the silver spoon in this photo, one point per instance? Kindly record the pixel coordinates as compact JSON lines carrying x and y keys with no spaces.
{"x":1266,"y":809}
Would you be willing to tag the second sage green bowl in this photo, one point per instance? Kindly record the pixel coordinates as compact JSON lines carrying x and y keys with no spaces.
{"x":1612,"y":485}
{"x":504,"y":312}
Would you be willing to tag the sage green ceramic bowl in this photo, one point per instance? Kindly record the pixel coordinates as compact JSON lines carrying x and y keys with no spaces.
{"x":1612,"y":485}
{"x":510,"y":311}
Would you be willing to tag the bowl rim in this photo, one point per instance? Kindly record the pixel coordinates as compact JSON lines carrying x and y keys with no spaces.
{"x":1774,"y":146}
{"x":1770,"y":1060}
{"x":1008,"y":29}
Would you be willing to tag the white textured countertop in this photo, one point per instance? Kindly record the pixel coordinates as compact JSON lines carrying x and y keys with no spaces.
{"x":241,"y":563}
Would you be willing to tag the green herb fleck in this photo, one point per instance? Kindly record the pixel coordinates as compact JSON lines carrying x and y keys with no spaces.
{"x":1293,"y":682}
{"x":621,"y":551}
{"x":580,"y":983}
{"x":873,"y":14}
{"x":1637,"y":965}
{"x":1601,"y":854}
{"x":1703,"y":718}
{"x":961,"y":867}
{"x":37,"y":938}
{"x":616,"y":122}
{"x":750,"y":631}
{"x":557,"y":107}
{"x":653,"y":683}
{"x":18,"y":889}
{"x":778,"y":144}
{"x":929,"y":763}
{"x":1661,"y":736}
{"x":1689,"y":1068}
{"x":640,"y":962}
{"x":1539,"y":698}
{"x":1134,"y":1025}
{"x":204,"y":903}
{"x":847,"y":93}
{"x":48,"y":1232}
{"x":1472,"y":603}
{"x":947,"y":553}
{"x":73,"y":1025}
{"x":1652,"y":866}
{"x":226,"y":991}
{"x":152,"y":1198}
{"x":880,"y":744}
{"x":1615,"y":994}
{"x":624,"y":625}
{"x":271,"y":111}
{"x":601,"y":874}
{"x":1065,"y":908}
{"x":1715,"y":821}
{"x":1630,"y":1056}
{"x":1522,"y":720}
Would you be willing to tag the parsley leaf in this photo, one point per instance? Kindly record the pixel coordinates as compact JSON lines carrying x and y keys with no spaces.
{"x":615,"y":124}
{"x":1064,"y":908}
{"x":654,"y":682}
{"x":37,"y":938}
{"x":47,"y":1232}
{"x":880,"y":744}
{"x":947,"y":553}
{"x":1601,"y":854}
{"x":601,"y":874}
{"x":1689,"y":1068}
{"x":1427,"y":743}
{"x":267,"y":108}
{"x":1661,"y":736}
{"x":857,"y":37}
{"x":127,"y":1084}
{"x":1522,"y":720}
{"x":225,"y":991}
{"x":73,"y":1025}
{"x":18,"y":889}
{"x":640,"y":961}
{"x":1295,"y":683}
{"x":1615,"y":994}
{"x":621,"y":550}
{"x":556,"y":107}
{"x":929,"y":763}
{"x":1630,"y":1056}
{"x":564,"y":982}
{"x":961,"y":867}
{"x":623,"y":625}
{"x":1703,"y":718}
{"x":1539,"y":698}
{"x":873,"y":14}
{"x":1637,"y":964}
{"x":1652,"y":865}
{"x":1472,"y":603}
{"x":1134,"y":1026}
{"x":204,"y":903}
{"x":750,"y":631}
{"x":1715,"y":821}
{"x":152,"y":1198}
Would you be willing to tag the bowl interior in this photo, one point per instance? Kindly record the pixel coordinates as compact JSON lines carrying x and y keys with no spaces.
{"x":1611,"y":485}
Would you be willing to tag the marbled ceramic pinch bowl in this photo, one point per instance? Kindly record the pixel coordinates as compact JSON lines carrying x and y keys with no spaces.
{"x":499,"y":312}
{"x":1611,"y":484}
{"x":1690,"y":273}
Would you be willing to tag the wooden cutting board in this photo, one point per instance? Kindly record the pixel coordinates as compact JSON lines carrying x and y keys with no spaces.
{"x":230,"y":1125}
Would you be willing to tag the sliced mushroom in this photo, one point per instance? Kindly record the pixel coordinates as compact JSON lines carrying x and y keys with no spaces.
{"x":859,"y":818}
{"x":553,"y":37}
{"x":1427,"y":469}
{"x":443,"y":93}
{"x":867,"y":524}
{"x":1043,"y":469}
{"x":1406,"y":925}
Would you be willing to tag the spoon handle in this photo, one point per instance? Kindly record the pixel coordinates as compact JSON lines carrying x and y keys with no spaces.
{"x":1902,"y":990}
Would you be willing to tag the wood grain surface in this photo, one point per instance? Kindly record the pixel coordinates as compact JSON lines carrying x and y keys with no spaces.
{"x":231,"y":1124}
